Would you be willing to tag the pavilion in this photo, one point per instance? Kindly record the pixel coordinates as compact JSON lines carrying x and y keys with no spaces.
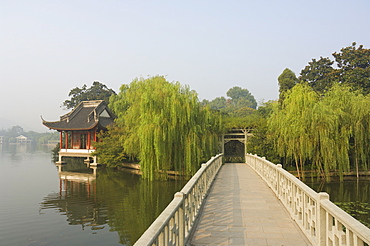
{"x":79,"y":128}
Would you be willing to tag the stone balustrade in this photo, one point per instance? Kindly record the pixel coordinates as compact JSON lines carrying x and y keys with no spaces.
{"x":320,"y":220}
{"x":174,"y":225}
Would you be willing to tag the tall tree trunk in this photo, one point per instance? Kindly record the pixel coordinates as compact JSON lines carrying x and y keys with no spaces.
{"x":297,"y":166}
{"x":356,"y":161}
{"x":301,"y":164}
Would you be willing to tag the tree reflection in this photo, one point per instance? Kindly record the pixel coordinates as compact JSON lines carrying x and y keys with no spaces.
{"x":118,"y":199}
{"x":351,"y":195}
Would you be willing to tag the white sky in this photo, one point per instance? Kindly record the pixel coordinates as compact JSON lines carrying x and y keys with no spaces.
{"x":49,"y":47}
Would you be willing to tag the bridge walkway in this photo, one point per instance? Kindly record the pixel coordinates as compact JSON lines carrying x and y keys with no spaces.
{"x":242,"y":210}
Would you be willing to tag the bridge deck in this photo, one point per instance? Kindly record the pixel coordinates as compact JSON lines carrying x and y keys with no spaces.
{"x":242,"y":210}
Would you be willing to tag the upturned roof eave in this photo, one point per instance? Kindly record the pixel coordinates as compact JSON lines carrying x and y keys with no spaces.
{"x":68,"y":129}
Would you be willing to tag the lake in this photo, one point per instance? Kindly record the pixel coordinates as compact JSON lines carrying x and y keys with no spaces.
{"x":352,"y":195}
{"x":42,"y":205}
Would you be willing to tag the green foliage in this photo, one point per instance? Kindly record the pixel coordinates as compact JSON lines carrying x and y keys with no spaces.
{"x":241,"y":97}
{"x":287,"y":80}
{"x":319,"y":74}
{"x":323,"y":132}
{"x":55,"y":153}
{"x":218,"y":103}
{"x":246,"y":119}
{"x":352,"y":68}
{"x":164,"y":126}
{"x":322,"y":122}
{"x":290,"y":125}
{"x":110,"y":150}
{"x":97,"y":91}
{"x":238,"y":110}
{"x":261,"y":142}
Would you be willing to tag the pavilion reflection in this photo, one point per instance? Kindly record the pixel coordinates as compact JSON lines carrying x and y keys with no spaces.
{"x":108,"y":199}
{"x":77,"y":198}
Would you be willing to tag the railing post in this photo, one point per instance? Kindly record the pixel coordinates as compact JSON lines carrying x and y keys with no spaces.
{"x":321,"y":219}
{"x":278,"y":188}
{"x":181,"y":218}
{"x":205,"y":179}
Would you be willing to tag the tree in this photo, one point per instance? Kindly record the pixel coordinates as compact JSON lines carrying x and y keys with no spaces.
{"x":15,"y":131}
{"x":164,"y":126}
{"x":331,"y":131}
{"x":111,"y":150}
{"x":290,"y":125}
{"x":324,"y":132}
{"x":319,"y":74}
{"x":97,"y":91}
{"x":241,"y":97}
{"x":218,"y":103}
{"x":238,"y":98}
{"x":287,"y":80}
{"x":260,"y":142}
{"x":354,"y":67}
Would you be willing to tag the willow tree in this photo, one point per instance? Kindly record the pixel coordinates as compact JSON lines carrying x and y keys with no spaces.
{"x":332,"y":129}
{"x":290,"y":125}
{"x":323,"y":131}
{"x":360,"y":130}
{"x":165,"y":126}
{"x":348,"y":128}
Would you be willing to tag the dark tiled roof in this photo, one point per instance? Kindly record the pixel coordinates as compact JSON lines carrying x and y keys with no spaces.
{"x":84,"y":117}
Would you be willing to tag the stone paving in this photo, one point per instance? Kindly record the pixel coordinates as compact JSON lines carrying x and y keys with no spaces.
{"x":242,"y":210}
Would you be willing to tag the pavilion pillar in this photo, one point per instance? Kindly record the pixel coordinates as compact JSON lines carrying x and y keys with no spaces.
{"x":61,"y":140}
{"x":88,"y":140}
{"x":66,"y":139}
{"x":95,"y":134}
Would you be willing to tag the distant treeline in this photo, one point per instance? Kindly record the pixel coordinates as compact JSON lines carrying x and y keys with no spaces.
{"x":10,"y":135}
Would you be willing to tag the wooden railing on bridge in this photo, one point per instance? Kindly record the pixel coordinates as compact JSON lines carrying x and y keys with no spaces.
{"x":320,"y":220}
{"x":173,"y":226}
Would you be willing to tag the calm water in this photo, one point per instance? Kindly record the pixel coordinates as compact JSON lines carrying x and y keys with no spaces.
{"x":41,"y":206}
{"x":352,"y":195}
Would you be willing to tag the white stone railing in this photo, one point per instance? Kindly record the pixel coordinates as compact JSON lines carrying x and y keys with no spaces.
{"x":320,"y":220}
{"x":173,"y":226}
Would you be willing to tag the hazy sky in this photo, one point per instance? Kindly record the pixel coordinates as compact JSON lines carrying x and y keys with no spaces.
{"x":49,"y":47}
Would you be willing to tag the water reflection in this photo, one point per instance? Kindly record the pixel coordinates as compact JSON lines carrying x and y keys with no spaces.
{"x":352,"y":195}
{"x":119,"y":200}
{"x":20,"y":148}
{"x":17,"y":150}
{"x":77,"y":198}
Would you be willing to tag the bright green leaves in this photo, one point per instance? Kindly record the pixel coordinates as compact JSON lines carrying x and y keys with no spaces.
{"x":165,"y":126}
{"x":323,"y":131}
{"x":291,"y":124}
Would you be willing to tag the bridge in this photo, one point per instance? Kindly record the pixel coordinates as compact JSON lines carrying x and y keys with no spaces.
{"x":252,"y":203}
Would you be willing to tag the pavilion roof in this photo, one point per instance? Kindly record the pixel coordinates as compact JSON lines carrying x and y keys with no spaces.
{"x":85,"y":116}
